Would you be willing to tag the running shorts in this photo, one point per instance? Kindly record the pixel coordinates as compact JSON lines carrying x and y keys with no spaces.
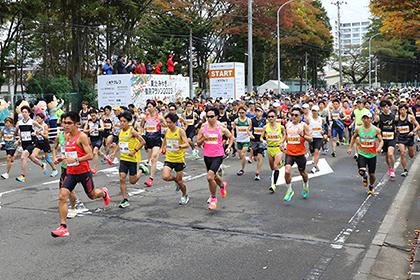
{"x":96,"y":142}
{"x":43,"y":145}
{"x":242,"y":145}
{"x":370,"y":163}
{"x":337,"y":132}
{"x":257,"y":148}
{"x":299,"y":160}
{"x":71,"y":180}
{"x":62,"y":176}
{"x":128,"y":167}
{"x":213,"y":163}
{"x":273,"y":151}
{"x":408,"y":141}
{"x":315,"y":144}
{"x":190,"y":132}
{"x":177,"y":166}
{"x":29,"y":148}
{"x":387,"y":144}
{"x":150,"y":143}
{"x":11,"y":152}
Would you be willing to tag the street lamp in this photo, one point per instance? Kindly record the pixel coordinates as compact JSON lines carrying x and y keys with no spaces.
{"x":370,"y":58}
{"x":278,"y":43}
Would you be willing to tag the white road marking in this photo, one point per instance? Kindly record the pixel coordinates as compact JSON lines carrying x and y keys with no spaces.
{"x":324,"y":169}
{"x":51,"y":182}
{"x":344,"y":234}
{"x":136,"y":191}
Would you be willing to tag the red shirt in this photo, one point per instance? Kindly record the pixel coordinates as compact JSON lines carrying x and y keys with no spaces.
{"x":75,"y":151}
{"x":171,"y":65}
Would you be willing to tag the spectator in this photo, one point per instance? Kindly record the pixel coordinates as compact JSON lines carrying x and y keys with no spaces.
{"x":131,"y":67}
{"x":140,"y":69}
{"x":107,"y":68}
{"x":149,"y":68}
{"x":171,"y":64}
{"x":122,"y":66}
{"x":158,"y":69}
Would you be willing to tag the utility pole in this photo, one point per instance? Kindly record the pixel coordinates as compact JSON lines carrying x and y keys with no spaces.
{"x":250,"y":56}
{"x":370,"y":58}
{"x":340,"y":66}
{"x":306,"y":71}
{"x":191,"y":66}
{"x":376,"y":72}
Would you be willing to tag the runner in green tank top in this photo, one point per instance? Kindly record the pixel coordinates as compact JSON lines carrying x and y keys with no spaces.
{"x":59,"y":145}
{"x":367,"y":149}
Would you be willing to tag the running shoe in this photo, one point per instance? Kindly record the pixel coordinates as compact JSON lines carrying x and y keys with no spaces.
{"x":272,"y":188}
{"x":405,"y":173}
{"x":223,"y":189}
{"x":115,"y":161}
{"x":195,"y":154}
{"x":44,"y":168}
{"x":149,"y":182}
{"x":249,"y":159}
{"x":388,"y":172}
{"x":305,"y":191}
{"x":240,"y":172}
{"x":94,"y":170}
{"x":314,"y":170}
{"x":71,"y":213}
{"x":392,"y":173}
{"x":124,"y":204}
{"x":333,"y":154}
{"x":108,"y":160}
{"x":257,"y":177}
{"x":365,"y":181}
{"x":21,"y":179}
{"x":61,"y":231}
{"x":107,"y":198}
{"x":184,"y":200}
{"x":5,"y":176}
{"x":371,"y":190}
{"x":289,"y":195}
{"x":355,"y":156}
{"x":212,"y":203}
{"x":54,"y":173}
{"x":144,"y":169}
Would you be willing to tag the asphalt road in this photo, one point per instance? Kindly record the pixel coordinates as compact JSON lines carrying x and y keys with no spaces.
{"x":252,"y":235}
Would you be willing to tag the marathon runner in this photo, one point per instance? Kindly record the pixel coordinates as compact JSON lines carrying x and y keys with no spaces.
{"x":190,"y":121}
{"x":242,"y":127}
{"x":273,"y":133}
{"x":297,"y":133}
{"x":8,"y":136}
{"x":210,"y":135}
{"x":77,"y":154}
{"x":174,"y":144}
{"x":316,"y":128}
{"x":365,"y":136}
{"x":258,"y":147}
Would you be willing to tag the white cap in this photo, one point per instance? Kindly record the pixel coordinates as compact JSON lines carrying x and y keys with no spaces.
{"x":305,"y":106}
{"x":315,"y":108}
{"x":367,"y":114}
{"x":276,"y":104}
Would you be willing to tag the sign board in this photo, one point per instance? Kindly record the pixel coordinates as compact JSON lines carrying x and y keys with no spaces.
{"x":227,"y":80}
{"x":124,"y":89}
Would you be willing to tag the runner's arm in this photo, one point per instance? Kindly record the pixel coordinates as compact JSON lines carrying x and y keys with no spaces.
{"x":229,"y":135}
{"x":184,"y":138}
{"x":200,"y":137}
{"x":381,"y":140}
{"x":101,"y":125}
{"x":54,"y":149}
{"x":85,"y":143}
{"x":306,"y":133}
{"x":415,"y":124}
{"x":137,"y":135}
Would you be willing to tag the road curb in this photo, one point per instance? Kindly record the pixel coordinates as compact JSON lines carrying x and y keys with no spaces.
{"x":399,"y":208}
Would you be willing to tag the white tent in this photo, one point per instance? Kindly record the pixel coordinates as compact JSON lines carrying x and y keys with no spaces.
{"x":271,"y":85}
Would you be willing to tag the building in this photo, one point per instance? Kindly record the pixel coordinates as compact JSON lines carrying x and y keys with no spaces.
{"x":352,"y":34}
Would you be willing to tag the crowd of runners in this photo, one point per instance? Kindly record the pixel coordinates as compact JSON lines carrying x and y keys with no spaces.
{"x":283,"y":130}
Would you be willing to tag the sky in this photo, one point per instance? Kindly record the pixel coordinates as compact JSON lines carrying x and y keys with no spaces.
{"x":354,"y":10}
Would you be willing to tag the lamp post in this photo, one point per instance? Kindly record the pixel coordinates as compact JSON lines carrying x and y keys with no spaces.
{"x":370,"y":58}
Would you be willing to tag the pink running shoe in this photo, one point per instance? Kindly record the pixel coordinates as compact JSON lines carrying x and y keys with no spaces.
{"x":212,"y":203}
{"x":388,"y":172}
{"x":108,"y":160}
{"x":149,"y":182}
{"x":60,"y":232}
{"x":107,"y":198}
{"x":223,"y":189}
{"x":94,"y":171}
{"x":392,"y":173}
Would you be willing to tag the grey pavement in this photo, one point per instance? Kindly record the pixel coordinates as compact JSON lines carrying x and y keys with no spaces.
{"x":252,"y":235}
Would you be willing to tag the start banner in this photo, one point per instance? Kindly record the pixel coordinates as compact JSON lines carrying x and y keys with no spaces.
{"x":121,"y":90}
{"x":227,"y":80}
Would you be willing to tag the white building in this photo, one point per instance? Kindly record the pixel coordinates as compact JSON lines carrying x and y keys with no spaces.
{"x":352,"y":34}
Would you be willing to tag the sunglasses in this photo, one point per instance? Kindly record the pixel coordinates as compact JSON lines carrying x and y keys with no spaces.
{"x":68,"y":123}
{"x":295,"y":115}
{"x":241,"y":113}
{"x":210,"y":117}
{"x":271,"y":116}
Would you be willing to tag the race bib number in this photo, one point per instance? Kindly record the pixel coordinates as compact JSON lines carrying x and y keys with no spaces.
{"x":367,"y":143}
{"x":316,"y":129}
{"x":212,"y":139}
{"x":8,"y":137}
{"x":418,"y":114}
{"x":404,"y":129}
{"x":242,"y":129}
{"x":258,"y":130}
{"x":388,"y":135}
{"x":26,"y":135}
{"x":150,"y":128}
{"x":278,"y":120}
{"x":72,"y":155}
{"x":293,"y":139}
{"x":172,"y":145}
{"x":124,"y":147}
{"x":335,"y":116}
{"x":62,"y":150}
{"x":189,"y":122}
{"x":108,"y":126}
{"x":273,"y":136}
{"x":95,"y":132}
